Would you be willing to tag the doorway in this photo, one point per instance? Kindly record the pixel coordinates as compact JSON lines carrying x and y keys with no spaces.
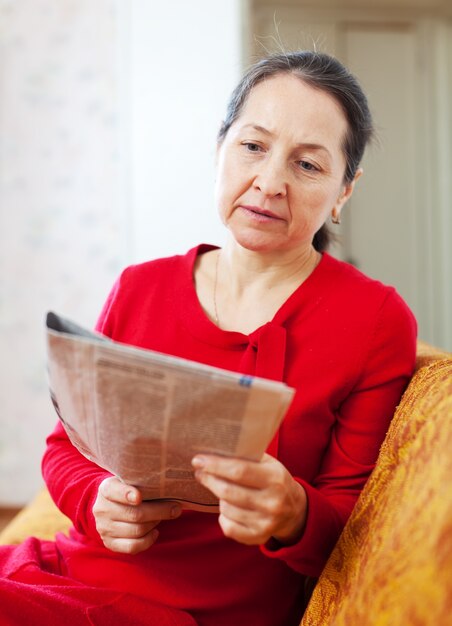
{"x":397,"y":227}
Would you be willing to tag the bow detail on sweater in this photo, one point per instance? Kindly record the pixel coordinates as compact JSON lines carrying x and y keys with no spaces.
{"x":265,"y":357}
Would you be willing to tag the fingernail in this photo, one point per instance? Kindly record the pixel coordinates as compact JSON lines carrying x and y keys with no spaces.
{"x":175,"y":511}
{"x":131,"y":497}
{"x":198,"y":461}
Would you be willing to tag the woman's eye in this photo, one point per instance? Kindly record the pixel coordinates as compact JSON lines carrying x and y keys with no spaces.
{"x":307,"y":166}
{"x":252,"y":147}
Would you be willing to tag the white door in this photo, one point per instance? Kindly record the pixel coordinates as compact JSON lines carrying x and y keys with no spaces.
{"x":398,"y":224}
{"x":380,"y":229}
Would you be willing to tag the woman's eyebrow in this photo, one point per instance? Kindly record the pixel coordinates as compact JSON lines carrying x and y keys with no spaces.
{"x":302,"y":144}
{"x":261,"y":129}
{"x":313,"y":146}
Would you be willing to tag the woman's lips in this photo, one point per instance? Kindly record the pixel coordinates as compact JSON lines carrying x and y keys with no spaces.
{"x":260,"y":214}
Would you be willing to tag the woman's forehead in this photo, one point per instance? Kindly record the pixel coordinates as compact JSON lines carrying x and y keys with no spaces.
{"x":285,"y":101}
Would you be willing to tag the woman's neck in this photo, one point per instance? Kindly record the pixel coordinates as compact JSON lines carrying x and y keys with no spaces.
{"x":247,"y":288}
{"x":243,"y":269}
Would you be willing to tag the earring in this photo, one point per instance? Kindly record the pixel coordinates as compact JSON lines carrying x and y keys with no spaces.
{"x":335,"y":217}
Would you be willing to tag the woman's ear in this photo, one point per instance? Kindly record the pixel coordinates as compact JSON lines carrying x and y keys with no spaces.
{"x":346,"y":193}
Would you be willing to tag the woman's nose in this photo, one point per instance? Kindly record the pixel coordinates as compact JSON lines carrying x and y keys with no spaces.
{"x":270,"y":180}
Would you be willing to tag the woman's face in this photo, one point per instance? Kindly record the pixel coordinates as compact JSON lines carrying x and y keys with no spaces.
{"x":281,"y":166}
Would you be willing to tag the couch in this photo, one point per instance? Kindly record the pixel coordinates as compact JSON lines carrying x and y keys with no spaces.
{"x":392,"y":565}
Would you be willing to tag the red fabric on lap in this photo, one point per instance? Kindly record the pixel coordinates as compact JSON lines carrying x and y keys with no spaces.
{"x":34,"y":591}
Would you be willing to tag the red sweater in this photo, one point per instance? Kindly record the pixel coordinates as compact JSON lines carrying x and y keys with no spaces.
{"x":344,"y":341}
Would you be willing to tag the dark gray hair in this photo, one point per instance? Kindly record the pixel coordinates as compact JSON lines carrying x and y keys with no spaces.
{"x":327,"y":74}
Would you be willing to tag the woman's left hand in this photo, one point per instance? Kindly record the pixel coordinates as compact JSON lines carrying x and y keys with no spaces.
{"x":259,"y":500}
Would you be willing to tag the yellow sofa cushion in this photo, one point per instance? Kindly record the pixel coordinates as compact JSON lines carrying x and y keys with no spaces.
{"x":392,"y":565}
{"x":40,"y":518}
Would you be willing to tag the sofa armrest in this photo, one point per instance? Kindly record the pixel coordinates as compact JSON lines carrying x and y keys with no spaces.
{"x":40,"y":518}
{"x":393,"y":563}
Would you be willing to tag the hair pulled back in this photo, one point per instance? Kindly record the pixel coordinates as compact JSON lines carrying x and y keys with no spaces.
{"x":323,"y":72}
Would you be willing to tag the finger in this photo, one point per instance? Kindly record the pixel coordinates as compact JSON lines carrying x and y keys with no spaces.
{"x":241,"y":533}
{"x":238,"y":514}
{"x":132,"y":546}
{"x":258,"y":525}
{"x":245,"y":497}
{"x":144,"y":512}
{"x":241,"y":471}
{"x":115,"y":490}
{"x":110,"y":511}
{"x":125,"y":530}
{"x":160,"y":509}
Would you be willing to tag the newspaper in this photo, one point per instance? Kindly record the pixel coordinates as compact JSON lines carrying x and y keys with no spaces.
{"x":143,"y":415}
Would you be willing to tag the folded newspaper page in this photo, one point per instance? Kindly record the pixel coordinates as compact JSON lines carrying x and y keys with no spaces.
{"x":143,"y":415}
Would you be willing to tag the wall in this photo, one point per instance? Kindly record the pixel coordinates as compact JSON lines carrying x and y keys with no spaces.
{"x":61,"y":242}
{"x":183,"y":60}
{"x":108,"y":116}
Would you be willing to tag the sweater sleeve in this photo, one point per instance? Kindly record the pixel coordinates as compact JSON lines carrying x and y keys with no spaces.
{"x":72,"y":480}
{"x":361,"y":424}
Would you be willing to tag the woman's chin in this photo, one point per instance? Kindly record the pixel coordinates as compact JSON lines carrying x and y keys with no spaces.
{"x":260,"y":242}
{"x":256,"y":244}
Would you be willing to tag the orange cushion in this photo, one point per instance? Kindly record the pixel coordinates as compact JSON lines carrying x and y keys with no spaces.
{"x":40,"y":518}
{"x":393,"y":562}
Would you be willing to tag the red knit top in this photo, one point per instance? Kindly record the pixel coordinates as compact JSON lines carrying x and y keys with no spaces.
{"x":344,"y":341}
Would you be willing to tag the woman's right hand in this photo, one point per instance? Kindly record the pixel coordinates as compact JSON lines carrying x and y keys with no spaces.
{"x":124,"y":522}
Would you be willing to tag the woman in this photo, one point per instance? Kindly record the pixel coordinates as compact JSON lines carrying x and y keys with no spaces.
{"x":271,"y":303}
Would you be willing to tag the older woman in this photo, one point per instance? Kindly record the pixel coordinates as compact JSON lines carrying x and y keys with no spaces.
{"x":271,"y":303}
